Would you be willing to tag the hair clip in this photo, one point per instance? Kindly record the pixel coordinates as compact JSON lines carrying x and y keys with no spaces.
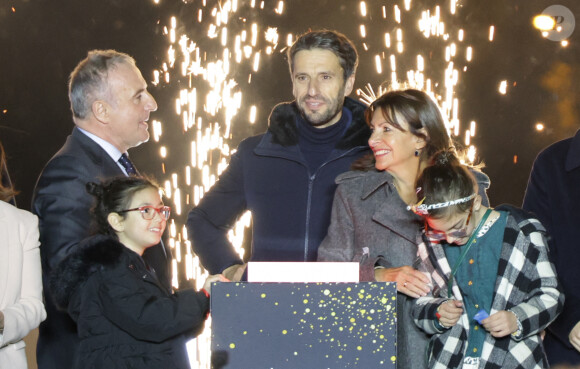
{"x":419,"y":208}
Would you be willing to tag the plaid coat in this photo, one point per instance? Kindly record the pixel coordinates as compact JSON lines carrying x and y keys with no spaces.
{"x":526,"y":284}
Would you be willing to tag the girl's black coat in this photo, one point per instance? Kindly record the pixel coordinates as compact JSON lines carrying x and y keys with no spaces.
{"x":125,"y":318}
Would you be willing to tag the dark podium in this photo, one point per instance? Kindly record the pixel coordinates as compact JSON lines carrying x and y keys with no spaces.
{"x":303,"y":325}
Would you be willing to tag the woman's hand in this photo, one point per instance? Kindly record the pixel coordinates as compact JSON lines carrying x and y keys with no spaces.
{"x":410,"y":281}
{"x":501,"y":324}
{"x":449,"y":313}
{"x":213,"y":278}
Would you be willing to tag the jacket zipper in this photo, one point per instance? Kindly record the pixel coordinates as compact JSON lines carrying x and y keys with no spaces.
{"x":309,"y":201}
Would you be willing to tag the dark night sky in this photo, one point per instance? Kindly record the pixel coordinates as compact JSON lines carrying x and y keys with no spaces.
{"x":42,"y":40}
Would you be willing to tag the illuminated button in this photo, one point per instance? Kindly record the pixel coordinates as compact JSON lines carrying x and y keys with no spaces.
{"x":476,"y":306}
{"x":471,"y":261}
{"x":470,"y":283}
{"x":475,"y":350}
{"x":476,"y":328}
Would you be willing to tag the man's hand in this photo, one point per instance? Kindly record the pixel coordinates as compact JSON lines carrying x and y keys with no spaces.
{"x":234,"y":273}
{"x":211,"y":279}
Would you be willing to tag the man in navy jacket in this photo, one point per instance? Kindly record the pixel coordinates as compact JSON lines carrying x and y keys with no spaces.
{"x":285,"y":177}
{"x":553,"y":194}
{"x":111,"y":106}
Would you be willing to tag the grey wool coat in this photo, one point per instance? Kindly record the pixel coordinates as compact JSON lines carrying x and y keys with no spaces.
{"x":370,"y":224}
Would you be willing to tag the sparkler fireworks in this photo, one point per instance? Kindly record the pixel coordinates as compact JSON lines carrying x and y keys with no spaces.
{"x":218,"y":50}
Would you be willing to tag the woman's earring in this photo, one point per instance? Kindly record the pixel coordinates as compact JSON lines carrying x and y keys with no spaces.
{"x":417,"y":152}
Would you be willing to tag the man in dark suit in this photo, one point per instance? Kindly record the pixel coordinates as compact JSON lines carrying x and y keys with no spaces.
{"x":553,"y":194}
{"x":111,"y":106}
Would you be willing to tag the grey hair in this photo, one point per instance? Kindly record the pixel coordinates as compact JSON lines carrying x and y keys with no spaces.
{"x":88,"y":81}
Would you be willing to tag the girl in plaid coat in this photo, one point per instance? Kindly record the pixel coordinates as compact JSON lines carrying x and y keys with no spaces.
{"x":494,"y":287}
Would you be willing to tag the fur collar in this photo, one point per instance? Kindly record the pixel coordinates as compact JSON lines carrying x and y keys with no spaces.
{"x":282,"y":125}
{"x":93,"y":254}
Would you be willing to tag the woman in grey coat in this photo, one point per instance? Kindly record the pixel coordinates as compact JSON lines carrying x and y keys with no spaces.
{"x":370,"y":222}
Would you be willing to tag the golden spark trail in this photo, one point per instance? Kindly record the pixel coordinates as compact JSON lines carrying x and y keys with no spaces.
{"x":217,"y":49}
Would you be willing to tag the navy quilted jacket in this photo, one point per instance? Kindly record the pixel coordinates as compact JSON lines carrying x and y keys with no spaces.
{"x":269,"y":177}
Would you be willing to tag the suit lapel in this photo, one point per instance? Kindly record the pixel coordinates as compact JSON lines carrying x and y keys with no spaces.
{"x":97,"y":155}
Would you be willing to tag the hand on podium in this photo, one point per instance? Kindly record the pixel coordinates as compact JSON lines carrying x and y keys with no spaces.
{"x":410,"y":281}
{"x":213,"y":278}
{"x":235,"y":272}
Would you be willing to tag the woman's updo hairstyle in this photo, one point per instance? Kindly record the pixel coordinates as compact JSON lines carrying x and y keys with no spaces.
{"x":446,"y":179}
{"x":113,"y":196}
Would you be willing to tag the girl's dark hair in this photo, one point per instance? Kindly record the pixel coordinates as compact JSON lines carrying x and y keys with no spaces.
{"x":446,"y":179}
{"x":419,"y":111}
{"x":7,"y":192}
{"x":113,"y":196}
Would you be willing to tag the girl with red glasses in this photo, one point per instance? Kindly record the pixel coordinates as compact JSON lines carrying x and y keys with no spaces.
{"x":125,"y":317}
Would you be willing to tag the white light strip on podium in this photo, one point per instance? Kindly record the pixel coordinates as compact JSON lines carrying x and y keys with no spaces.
{"x":307,"y":272}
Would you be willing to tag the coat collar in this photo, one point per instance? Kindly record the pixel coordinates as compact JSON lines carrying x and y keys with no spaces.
{"x":391,"y":212}
{"x":91,"y":255}
{"x":281,"y":138}
{"x":283,"y":130}
{"x":374,"y":179}
{"x":573,"y":157}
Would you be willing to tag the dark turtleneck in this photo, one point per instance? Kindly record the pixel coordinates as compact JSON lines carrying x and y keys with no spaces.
{"x":316,"y":144}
